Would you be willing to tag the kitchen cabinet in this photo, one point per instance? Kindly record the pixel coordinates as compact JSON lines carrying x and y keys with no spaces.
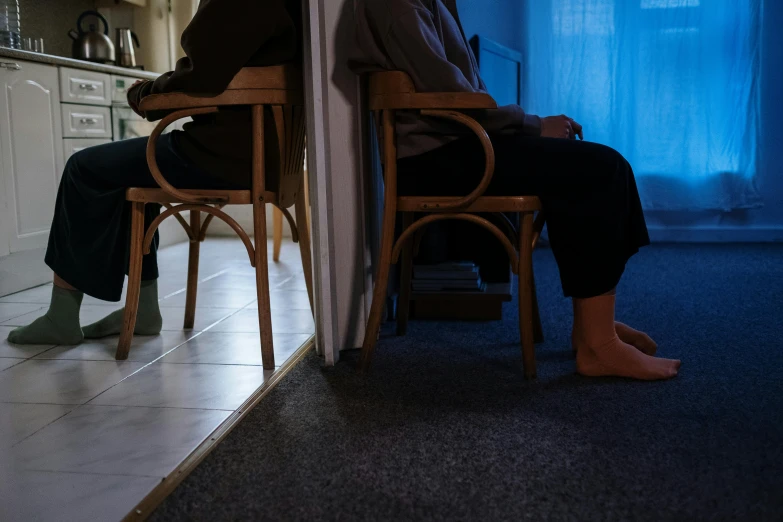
{"x":31,"y":152}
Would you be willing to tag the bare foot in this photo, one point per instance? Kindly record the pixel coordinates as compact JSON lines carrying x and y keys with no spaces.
{"x":639,"y":340}
{"x":616,"y":358}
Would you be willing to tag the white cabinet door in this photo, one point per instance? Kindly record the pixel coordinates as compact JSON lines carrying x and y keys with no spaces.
{"x":31,"y":147}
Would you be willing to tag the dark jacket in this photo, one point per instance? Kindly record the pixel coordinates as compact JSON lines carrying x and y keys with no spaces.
{"x":223,"y":37}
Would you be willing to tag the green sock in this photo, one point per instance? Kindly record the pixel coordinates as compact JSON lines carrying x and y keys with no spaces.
{"x":148,"y":318}
{"x":60,"y":324}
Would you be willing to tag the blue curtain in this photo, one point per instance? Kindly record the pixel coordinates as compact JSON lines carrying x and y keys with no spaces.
{"x":670,"y":84}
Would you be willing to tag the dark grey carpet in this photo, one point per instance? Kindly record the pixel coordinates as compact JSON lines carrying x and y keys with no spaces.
{"x":446,"y":429}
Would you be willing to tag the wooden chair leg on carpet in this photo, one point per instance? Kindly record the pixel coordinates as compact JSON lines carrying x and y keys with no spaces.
{"x":303,"y":229}
{"x":277,"y":233}
{"x":406,"y":277}
{"x":259,"y":234}
{"x":193,"y":254}
{"x":134,"y":281}
{"x":538,"y":330}
{"x":526,"y":295}
{"x":387,"y":241}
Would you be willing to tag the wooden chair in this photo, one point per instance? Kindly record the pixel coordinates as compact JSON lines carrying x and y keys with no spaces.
{"x":278,"y":90}
{"x":393,"y":91}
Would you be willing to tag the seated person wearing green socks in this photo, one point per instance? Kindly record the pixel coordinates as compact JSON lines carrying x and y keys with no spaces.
{"x":89,"y":239}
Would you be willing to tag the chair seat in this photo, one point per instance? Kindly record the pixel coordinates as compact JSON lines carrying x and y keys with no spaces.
{"x":157,"y":195}
{"x":482,"y":204}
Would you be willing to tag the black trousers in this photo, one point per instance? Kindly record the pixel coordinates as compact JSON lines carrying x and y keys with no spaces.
{"x":89,"y":242}
{"x":588,"y":191}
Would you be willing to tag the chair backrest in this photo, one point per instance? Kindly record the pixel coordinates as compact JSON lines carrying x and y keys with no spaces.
{"x":289,"y":125}
{"x":281,"y":89}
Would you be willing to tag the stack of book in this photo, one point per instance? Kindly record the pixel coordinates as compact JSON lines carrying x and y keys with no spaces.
{"x":461,"y":276}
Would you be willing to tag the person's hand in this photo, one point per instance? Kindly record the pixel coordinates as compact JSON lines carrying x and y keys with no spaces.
{"x":132,"y":99}
{"x":561,"y":127}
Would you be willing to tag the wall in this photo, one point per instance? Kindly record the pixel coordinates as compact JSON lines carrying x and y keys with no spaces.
{"x":498,"y":20}
{"x":51,"y":20}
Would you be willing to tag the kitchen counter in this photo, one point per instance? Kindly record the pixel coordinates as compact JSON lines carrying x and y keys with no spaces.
{"x":17,"y":54}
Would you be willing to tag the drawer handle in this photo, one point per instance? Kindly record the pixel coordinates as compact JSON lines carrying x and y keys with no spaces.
{"x":88,"y":87}
{"x":11,"y":66}
{"x":88,"y":121}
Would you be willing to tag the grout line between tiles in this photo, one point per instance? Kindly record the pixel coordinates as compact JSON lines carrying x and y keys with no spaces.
{"x":165,"y":354}
{"x":181,"y":290}
{"x":157,"y":407}
{"x":74,"y":404}
{"x":20,"y":315}
{"x":91,"y":473}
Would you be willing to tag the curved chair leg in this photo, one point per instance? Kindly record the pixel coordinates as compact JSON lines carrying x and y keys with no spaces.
{"x":525,"y":295}
{"x":193,"y":254}
{"x":134,"y":281}
{"x":406,"y":275}
{"x":379,"y":292}
{"x":262,"y":285}
{"x":303,"y":229}
{"x":260,"y":254}
{"x":387,"y":241}
{"x":277,"y":233}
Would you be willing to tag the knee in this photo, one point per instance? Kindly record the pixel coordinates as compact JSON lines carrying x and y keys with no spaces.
{"x":75,"y":167}
{"x":615,"y":164}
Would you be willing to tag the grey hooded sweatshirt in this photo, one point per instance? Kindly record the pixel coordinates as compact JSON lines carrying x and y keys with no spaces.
{"x":424,"y":38}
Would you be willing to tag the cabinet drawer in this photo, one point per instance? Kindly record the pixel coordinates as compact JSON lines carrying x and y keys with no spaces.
{"x":85,"y":121}
{"x":73,"y":145}
{"x":119,"y":88}
{"x":85,"y":87}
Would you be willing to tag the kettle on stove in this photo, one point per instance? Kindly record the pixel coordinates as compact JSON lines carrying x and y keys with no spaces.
{"x":92,"y":45}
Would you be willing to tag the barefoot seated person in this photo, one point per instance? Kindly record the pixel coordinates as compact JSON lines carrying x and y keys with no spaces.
{"x":89,"y":239}
{"x":588,"y":191}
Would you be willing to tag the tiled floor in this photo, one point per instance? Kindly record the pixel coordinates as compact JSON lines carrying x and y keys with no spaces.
{"x":85,"y":437}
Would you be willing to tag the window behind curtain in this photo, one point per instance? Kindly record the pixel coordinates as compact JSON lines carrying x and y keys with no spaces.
{"x":671,"y":84}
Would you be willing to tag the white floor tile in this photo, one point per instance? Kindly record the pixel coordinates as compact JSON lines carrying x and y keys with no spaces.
{"x":144,"y":348}
{"x":61,"y":382}
{"x":24,"y":351}
{"x":131,"y":441}
{"x":45,"y":496}
{"x":219,"y":387}
{"x":233,"y":348}
{"x":40,"y":294}
{"x":283,"y":321}
{"x":215,"y":298}
{"x":295,"y":282}
{"x":10,"y":311}
{"x":62,"y":461}
{"x":18,"y":421}
{"x":287,"y":300}
{"x":7,"y":362}
{"x":173,"y":317}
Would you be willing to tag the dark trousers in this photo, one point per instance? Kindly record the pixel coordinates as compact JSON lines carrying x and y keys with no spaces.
{"x":89,"y":242}
{"x":588,"y":191}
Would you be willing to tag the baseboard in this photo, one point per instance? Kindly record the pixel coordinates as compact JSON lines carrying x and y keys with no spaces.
{"x":729,"y":234}
{"x":171,"y":232}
